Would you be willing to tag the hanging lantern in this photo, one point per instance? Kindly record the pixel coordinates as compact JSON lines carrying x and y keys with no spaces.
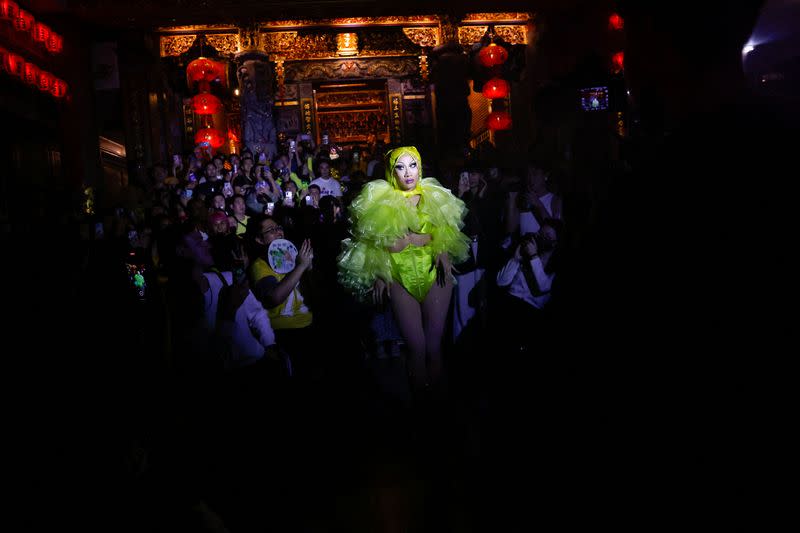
{"x":58,"y":88}
{"x":8,"y":9}
{"x":498,"y":120}
{"x":55,"y":43}
{"x":210,"y":136}
{"x":23,"y":21}
{"x":13,"y":64}
{"x":206,"y":104}
{"x":495,"y":88}
{"x":45,"y":81}
{"x":618,"y":61}
{"x":201,"y":69}
{"x":615,"y":22}
{"x":41,"y":32}
{"x":492,"y":55}
{"x":30,"y":74}
{"x":220,"y":72}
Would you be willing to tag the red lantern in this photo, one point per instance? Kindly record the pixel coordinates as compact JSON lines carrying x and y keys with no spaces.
{"x":41,"y":32}
{"x":495,"y":88}
{"x":498,"y":120}
{"x":31,"y":74}
{"x":58,"y":88}
{"x":615,"y":22}
{"x":618,"y":61}
{"x":201,"y":69}
{"x":45,"y":81}
{"x":220,"y":71}
{"x":492,"y":55}
{"x":206,"y":104}
{"x":8,"y":9}
{"x":23,"y":21}
{"x":210,"y":136}
{"x":13,"y":64}
{"x":55,"y":43}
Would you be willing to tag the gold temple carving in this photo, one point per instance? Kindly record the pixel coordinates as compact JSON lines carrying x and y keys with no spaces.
{"x":226,"y":43}
{"x":469,"y":35}
{"x":512,"y":34}
{"x":352,"y":22}
{"x":175,"y":45}
{"x":423,"y":36}
{"x":497,"y":17}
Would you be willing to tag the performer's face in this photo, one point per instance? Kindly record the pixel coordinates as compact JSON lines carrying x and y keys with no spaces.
{"x":406,"y":172}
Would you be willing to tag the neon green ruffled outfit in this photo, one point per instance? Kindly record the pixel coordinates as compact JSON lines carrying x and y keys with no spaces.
{"x":381,"y":214}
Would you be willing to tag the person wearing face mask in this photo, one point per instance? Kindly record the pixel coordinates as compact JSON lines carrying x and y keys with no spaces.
{"x":406,"y":234}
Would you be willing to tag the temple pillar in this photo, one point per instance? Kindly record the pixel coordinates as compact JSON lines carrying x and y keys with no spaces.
{"x":255,"y":76}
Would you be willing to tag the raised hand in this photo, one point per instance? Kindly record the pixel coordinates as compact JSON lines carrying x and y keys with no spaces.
{"x":305,"y":256}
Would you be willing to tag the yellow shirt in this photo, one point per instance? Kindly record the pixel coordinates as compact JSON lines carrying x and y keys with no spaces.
{"x":290,"y":314}
{"x":241,"y":225}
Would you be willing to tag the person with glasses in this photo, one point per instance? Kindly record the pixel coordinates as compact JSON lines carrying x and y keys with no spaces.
{"x":406,"y":234}
{"x":280,"y":292}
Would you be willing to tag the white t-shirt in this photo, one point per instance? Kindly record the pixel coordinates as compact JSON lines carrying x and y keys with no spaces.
{"x":528,"y":222}
{"x":328,"y":187}
{"x":252,"y":331}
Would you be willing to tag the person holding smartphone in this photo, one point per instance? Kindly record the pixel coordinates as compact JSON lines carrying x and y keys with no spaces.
{"x":406,"y":234}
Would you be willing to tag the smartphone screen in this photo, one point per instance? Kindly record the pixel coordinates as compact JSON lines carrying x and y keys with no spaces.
{"x":288,"y":195}
{"x":270,"y":207}
{"x":309,"y":200}
{"x":138,"y":283}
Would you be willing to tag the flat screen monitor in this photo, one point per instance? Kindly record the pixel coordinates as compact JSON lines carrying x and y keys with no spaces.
{"x":594,"y":98}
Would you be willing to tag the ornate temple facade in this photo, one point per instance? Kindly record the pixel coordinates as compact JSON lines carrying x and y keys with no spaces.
{"x":358,"y":79}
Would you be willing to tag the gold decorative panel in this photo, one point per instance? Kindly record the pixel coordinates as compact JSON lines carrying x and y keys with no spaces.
{"x":295,"y":46}
{"x":512,"y":34}
{"x":352,"y":69}
{"x":352,"y":98}
{"x":423,"y":36}
{"x":279,"y":41}
{"x":197,"y":28}
{"x":497,"y":17}
{"x":226,"y":43}
{"x":352,"y":112}
{"x":353,"y":21}
{"x":175,"y":45}
{"x":469,"y":35}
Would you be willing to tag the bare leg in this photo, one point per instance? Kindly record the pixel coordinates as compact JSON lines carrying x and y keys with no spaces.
{"x":434,"y":317}
{"x":408,"y":315}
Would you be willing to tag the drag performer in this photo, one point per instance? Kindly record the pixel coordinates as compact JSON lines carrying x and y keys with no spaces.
{"x":406,"y":235}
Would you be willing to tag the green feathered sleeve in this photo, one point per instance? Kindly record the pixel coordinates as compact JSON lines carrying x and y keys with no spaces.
{"x":445,"y":212}
{"x":379,"y":216}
